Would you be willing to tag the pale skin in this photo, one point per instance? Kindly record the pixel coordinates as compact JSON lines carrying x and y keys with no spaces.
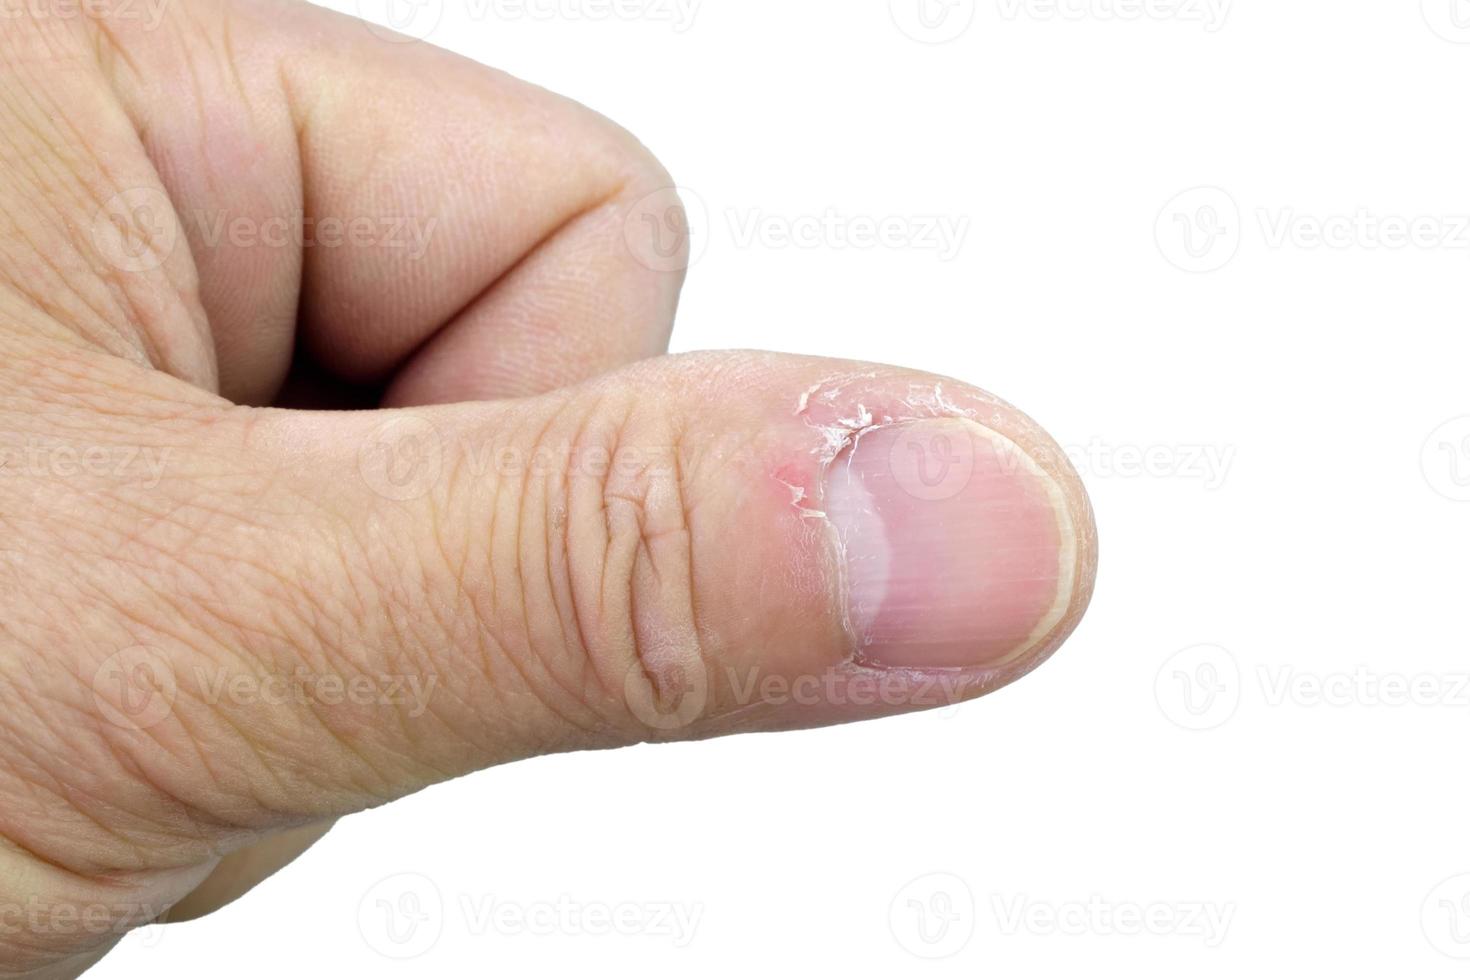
{"x":544,"y":536}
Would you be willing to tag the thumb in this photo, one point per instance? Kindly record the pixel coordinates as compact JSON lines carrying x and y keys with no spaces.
{"x":693,"y":546}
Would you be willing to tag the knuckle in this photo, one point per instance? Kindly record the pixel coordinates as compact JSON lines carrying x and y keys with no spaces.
{"x":618,"y":547}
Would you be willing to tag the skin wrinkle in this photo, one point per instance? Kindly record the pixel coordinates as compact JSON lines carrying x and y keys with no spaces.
{"x":640,"y":554}
{"x":204,"y":761}
{"x":436,"y":612}
{"x":347,"y":569}
{"x":133,"y":762}
{"x":41,"y":299}
{"x":564,"y":597}
{"x":608,"y":686}
{"x":60,"y":786}
{"x":326,"y":646}
{"x":275,"y":775}
{"x":422,"y":644}
{"x":73,"y":965}
{"x":353,"y":751}
{"x":391,"y":623}
{"x":185,"y":52}
{"x":458,"y":574}
{"x":554,"y":706}
{"x":108,"y":388}
{"x":32,"y":784}
{"x":533,"y":488}
{"x":409,"y":616}
{"x":485,"y":635}
{"x":107,"y":50}
{"x":30,"y":321}
{"x":75,"y":796}
{"x":457,"y":565}
{"x":582,"y":653}
{"x":192,"y":836}
{"x":120,"y":880}
{"x":231,"y":60}
{"x":142,"y":337}
{"x":557,"y":522}
{"x":240,"y":629}
{"x":481,"y":620}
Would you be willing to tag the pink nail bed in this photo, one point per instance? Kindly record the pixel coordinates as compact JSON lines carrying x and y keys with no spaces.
{"x":958,"y":549}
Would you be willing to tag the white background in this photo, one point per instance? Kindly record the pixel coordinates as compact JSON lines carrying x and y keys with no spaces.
{"x":1261,"y":437}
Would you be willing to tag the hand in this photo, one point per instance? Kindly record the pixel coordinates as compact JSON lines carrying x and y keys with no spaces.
{"x":223,"y":624}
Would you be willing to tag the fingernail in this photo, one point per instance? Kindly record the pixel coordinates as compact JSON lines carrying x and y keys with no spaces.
{"x":958,"y":548}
